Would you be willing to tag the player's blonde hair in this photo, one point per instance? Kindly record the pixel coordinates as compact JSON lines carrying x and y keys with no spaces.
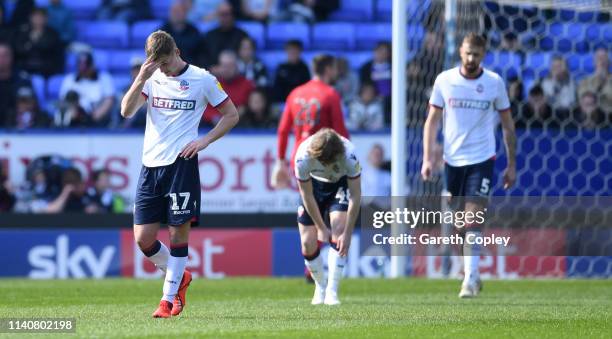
{"x":326,"y":146}
{"x":159,"y":44}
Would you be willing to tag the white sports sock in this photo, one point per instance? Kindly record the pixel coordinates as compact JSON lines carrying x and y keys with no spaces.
{"x":160,"y":259}
{"x":174,"y":274}
{"x":471,"y":258}
{"x":317,"y":271}
{"x":335,"y":264}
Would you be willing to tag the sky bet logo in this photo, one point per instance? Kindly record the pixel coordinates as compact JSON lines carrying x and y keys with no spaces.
{"x":188,"y":105}
{"x":469,"y":103}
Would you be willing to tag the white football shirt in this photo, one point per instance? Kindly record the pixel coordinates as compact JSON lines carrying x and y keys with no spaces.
{"x":307,"y":167}
{"x":470,"y":114}
{"x":175,"y":105}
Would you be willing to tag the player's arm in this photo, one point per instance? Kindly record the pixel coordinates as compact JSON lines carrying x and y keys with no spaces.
{"x":510,"y":143}
{"x":338,"y":117}
{"x":280,"y":173}
{"x":354,"y":202}
{"x":310,"y":204}
{"x":229,"y":119}
{"x":429,"y":138}
{"x":133,"y":99}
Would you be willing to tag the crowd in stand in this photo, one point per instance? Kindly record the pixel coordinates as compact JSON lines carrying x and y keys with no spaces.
{"x":35,"y":41}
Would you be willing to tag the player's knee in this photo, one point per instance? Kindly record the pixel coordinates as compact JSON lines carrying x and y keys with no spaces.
{"x":144,"y":243}
{"x":309,"y":244}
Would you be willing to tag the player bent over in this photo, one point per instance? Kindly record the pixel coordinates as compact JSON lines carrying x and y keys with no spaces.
{"x":176,"y":94}
{"x":470,"y":100}
{"x":328,"y":174}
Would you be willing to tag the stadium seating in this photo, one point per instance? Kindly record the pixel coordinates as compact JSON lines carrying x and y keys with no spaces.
{"x":255,"y":30}
{"x":507,"y":64}
{"x":368,"y":35}
{"x":81,"y":10}
{"x":204,"y":27}
{"x":357,"y":59}
{"x":354,"y":10}
{"x":161,"y":8}
{"x":53,"y":86}
{"x":119,"y":60}
{"x":537,"y":64}
{"x":416,"y":11}
{"x":272,"y":59}
{"x":141,"y":30}
{"x":333,"y":35}
{"x":103,"y":34}
{"x":279,"y":33}
{"x":38,"y":82}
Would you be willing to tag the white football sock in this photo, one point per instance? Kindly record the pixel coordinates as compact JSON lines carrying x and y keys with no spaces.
{"x":335,"y":264}
{"x":317,"y":271}
{"x":160,"y":259}
{"x":174,"y":274}
{"x":471,"y":258}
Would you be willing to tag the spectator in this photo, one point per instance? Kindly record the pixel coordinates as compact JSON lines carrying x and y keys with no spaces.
{"x":28,"y":113}
{"x":72,"y":197}
{"x":100,"y":197}
{"x":139,"y":119}
{"x":235,"y":85}
{"x":6,"y":31}
{"x":378,"y":71}
{"x":309,"y":11}
{"x":376,"y":180}
{"x":95,"y":90}
{"x":600,"y":82}
{"x":249,"y":65}
{"x":588,"y":115}
{"x":40,"y":49}
{"x":186,"y":35}
{"x":70,"y":113}
{"x":60,"y":19}
{"x":7,"y":197}
{"x":10,"y":81}
{"x":257,"y":113}
{"x":258,"y":10}
{"x":347,"y":82}
{"x":125,"y":10}
{"x":202,"y":10}
{"x":366,"y":112}
{"x":515,"y":94}
{"x":537,"y":113}
{"x":225,"y":37}
{"x":292,"y":73}
{"x":559,"y":88}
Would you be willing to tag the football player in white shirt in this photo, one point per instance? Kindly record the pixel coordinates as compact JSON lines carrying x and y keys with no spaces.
{"x":328,"y":174}
{"x":470,"y":100}
{"x":176,"y":95}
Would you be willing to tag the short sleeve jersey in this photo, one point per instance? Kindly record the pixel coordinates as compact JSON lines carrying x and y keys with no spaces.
{"x":470,"y":114}
{"x":175,"y":105}
{"x":307,"y":167}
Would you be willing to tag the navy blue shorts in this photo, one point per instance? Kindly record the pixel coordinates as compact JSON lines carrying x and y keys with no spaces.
{"x":330,"y":197}
{"x":169,"y":194}
{"x":474,"y":182}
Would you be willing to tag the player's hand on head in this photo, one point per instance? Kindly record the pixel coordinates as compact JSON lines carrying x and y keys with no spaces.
{"x":343,"y":243}
{"x":148,"y":68}
{"x":192,"y":148}
{"x":426,"y":170}
{"x":509,"y":177}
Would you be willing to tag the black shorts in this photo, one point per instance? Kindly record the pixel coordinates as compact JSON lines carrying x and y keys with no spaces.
{"x":169,"y":194}
{"x":472,"y":182}
{"x":330,"y":197}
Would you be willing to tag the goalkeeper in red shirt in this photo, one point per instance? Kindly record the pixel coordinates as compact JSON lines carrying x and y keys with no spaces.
{"x":309,"y":108}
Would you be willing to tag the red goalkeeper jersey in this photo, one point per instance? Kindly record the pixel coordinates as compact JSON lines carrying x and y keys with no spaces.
{"x":309,"y":107}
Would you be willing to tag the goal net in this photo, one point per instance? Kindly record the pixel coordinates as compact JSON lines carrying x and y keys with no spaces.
{"x":548,"y":53}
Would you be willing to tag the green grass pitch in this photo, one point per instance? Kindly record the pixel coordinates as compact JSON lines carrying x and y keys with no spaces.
{"x":267,"y":307}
